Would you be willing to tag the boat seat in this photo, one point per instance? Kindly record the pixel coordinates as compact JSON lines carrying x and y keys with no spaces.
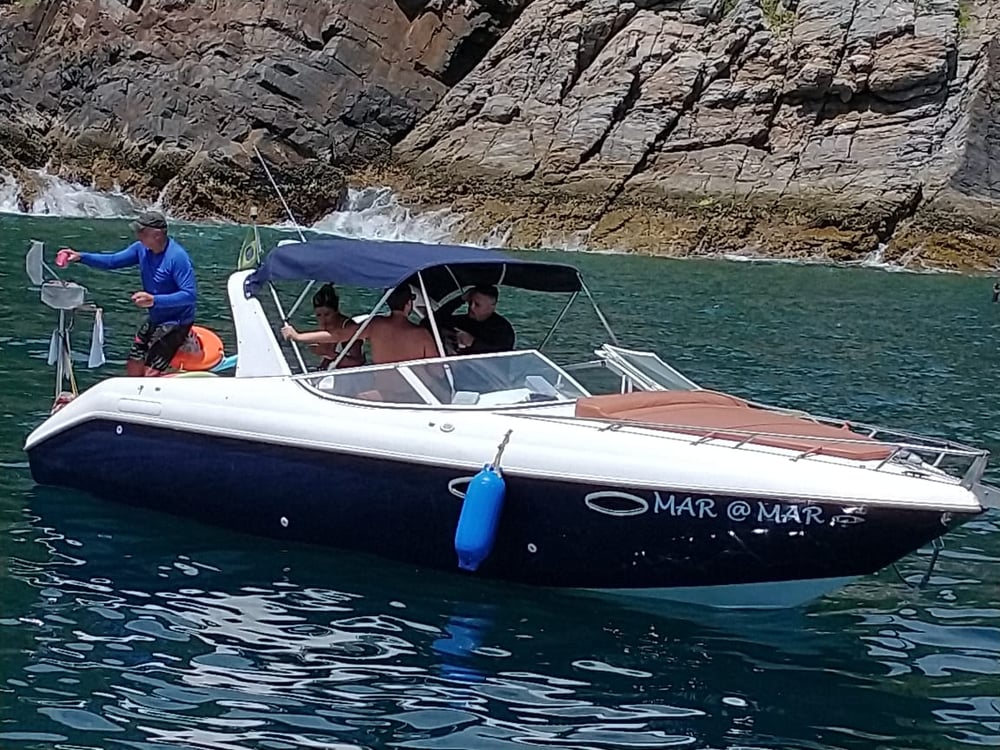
{"x":726,"y":417}
{"x":613,"y":406}
{"x":370,"y":396}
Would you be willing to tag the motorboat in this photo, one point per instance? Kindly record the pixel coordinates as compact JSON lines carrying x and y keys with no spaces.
{"x":510,"y":466}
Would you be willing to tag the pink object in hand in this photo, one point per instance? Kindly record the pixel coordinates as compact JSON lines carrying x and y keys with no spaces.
{"x":61,"y":258}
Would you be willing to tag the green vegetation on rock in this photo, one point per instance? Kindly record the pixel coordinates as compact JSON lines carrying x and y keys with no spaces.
{"x":779,"y":18}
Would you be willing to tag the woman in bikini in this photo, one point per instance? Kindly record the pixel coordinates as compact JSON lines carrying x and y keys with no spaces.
{"x":326,"y":306}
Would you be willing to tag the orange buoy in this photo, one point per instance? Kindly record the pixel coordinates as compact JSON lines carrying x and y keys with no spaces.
{"x":208,"y":354}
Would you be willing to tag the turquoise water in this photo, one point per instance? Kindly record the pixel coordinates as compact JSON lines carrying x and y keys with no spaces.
{"x":121,"y":627}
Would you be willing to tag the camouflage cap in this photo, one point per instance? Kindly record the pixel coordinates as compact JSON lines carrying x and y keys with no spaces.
{"x":149,"y":220}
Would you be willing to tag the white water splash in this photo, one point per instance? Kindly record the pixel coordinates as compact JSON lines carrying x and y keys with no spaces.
{"x":573,"y":242}
{"x":763,"y":259}
{"x":59,"y":197}
{"x":876,"y":261}
{"x":873,"y":261}
{"x":10,"y":194}
{"x":369,"y":213}
{"x":876,"y":258}
{"x":375,"y":213}
{"x":499,"y":236}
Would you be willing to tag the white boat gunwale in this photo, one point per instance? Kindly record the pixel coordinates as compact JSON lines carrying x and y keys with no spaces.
{"x":73,"y":416}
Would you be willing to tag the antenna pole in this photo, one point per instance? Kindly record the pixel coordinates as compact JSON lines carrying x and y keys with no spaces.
{"x":256,"y":237}
{"x":280,"y":196}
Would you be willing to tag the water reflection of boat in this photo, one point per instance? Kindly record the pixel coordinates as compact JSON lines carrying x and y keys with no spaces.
{"x":662,"y":490}
{"x":464,"y":633}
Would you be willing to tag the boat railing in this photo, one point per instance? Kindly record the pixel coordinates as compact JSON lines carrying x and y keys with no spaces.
{"x":915,"y":449}
{"x":949,"y":460}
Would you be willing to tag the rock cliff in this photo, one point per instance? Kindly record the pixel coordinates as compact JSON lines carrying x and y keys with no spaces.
{"x":821,"y":128}
{"x":170,"y":96}
{"x":784,"y":127}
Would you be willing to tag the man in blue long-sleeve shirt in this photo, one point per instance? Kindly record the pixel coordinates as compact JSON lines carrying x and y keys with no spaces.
{"x":169,"y":292}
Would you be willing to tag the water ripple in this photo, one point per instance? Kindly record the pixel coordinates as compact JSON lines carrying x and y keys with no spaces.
{"x":122,"y":628}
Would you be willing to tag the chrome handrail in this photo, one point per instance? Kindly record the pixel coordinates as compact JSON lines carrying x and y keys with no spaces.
{"x":939,"y":449}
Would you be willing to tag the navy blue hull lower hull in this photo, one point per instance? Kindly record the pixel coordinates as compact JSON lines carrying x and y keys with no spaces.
{"x":551,"y":533}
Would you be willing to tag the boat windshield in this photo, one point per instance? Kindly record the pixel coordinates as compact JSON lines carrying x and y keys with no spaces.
{"x":645,"y":369}
{"x":486,"y":380}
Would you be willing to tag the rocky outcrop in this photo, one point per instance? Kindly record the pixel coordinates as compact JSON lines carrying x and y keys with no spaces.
{"x":825,"y":128}
{"x":821,"y":128}
{"x":168,"y":97}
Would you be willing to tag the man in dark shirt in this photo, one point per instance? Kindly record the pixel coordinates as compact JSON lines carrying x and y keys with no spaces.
{"x":482,"y":329}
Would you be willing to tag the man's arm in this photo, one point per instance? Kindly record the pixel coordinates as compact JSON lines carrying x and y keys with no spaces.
{"x":110,"y":261}
{"x":187,"y":288}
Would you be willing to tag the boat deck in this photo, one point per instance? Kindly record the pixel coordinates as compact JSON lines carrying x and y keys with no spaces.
{"x":723,"y":417}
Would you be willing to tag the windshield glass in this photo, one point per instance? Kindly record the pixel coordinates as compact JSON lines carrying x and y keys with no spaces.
{"x":368,"y":384}
{"x":486,"y":381}
{"x":492,"y":380}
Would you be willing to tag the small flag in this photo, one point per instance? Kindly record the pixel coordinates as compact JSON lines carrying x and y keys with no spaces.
{"x":249,"y":253}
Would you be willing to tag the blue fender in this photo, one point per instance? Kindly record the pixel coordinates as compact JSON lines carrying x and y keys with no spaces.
{"x":480,"y":516}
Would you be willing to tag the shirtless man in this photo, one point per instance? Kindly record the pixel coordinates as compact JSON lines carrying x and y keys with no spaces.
{"x":393,"y":338}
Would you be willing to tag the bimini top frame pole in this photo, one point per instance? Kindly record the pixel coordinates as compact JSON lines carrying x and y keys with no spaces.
{"x":600,"y":315}
{"x":371,"y":316}
{"x":274,"y":294}
{"x":431,"y":315}
{"x":559,"y":319}
{"x":361,"y":329}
